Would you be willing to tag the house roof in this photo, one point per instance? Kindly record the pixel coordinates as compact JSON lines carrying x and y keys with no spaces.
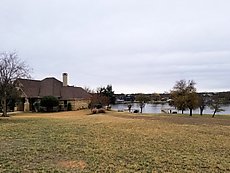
{"x":51,"y":87}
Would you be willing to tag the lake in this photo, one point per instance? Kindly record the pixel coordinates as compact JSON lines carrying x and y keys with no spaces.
{"x":156,"y":108}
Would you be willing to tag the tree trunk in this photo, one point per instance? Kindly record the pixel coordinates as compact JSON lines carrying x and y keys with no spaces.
{"x":129,"y":107}
{"x":201,"y":111}
{"x":141,"y":110}
{"x":214,"y":113}
{"x":190,"y":112}
{"x":4,"y":107}
{"x":182,"y":111}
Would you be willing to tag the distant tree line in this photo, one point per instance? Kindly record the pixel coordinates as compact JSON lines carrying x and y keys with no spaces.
{"x":183,"y":96}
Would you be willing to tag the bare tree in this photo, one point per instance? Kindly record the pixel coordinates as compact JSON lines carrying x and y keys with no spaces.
{"x":202,"y":104}
{"x":178,"y":95}
{"x":129,"y":107}
{"x":184,"y":96}
{"x":11,"y":68}
{"x":142,"y":99}
{"x":89,"y":90}
{"x":98,"y":101}
{"x":192,"y":97}
{"x":216,"y":106}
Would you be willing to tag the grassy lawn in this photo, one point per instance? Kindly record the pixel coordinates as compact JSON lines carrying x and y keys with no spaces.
{"x":114,"y":142}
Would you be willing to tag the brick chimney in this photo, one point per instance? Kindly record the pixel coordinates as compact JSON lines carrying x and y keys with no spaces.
{"x":65,"y":79}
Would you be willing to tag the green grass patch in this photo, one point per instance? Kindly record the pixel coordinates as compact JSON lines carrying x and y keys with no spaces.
{"x":113,"y":142}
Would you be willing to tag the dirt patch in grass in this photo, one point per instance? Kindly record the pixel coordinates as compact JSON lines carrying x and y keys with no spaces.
{"x":73,"y":164}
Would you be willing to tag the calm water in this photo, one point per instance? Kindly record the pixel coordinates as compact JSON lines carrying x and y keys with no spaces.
{"x":156,"y":108}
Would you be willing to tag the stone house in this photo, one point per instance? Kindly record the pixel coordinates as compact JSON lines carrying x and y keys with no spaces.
{"x":33,"y":90}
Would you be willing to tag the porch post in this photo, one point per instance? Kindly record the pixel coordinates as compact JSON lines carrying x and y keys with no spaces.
{"x":26,"y":105}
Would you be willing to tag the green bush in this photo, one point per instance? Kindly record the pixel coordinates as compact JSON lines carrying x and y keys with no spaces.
{"x":49,"y":102}
{"x":36,"y":106}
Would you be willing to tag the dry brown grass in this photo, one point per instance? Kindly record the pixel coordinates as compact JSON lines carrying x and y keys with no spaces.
{"x":114,"y":142}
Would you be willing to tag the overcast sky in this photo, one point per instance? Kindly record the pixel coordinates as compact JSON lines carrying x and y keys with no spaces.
{"x":138,"y":46}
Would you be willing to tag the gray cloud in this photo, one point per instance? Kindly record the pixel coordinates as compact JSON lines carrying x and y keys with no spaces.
{"x":137,"y":46}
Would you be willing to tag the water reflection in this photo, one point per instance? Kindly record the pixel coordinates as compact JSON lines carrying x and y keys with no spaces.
{"x":156,"y":108}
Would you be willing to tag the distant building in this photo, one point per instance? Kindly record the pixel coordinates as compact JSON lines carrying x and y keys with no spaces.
{"x":33,"y":90}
